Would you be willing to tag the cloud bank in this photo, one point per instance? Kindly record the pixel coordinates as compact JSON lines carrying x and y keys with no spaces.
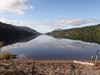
{"x":75,"y":21}
{"x":16,"y":6}
{"x":48,"y":26}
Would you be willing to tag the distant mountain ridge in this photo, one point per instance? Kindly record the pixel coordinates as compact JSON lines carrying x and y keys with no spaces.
{"x":57,"y":30}
{"x":83,"y":30}
{"x":8,"y":29}
{"x":29,"y":29}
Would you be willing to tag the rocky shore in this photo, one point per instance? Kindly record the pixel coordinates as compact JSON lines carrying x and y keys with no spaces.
{"x":47,"y":67}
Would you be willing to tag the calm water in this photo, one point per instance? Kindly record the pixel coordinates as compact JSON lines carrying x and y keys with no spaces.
{"x":46,"y":47}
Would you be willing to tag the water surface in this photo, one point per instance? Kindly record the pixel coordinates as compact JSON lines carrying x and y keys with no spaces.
{"x":46,"y":47}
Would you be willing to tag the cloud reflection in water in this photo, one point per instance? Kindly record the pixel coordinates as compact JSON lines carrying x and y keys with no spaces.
{"x":47,"y":47}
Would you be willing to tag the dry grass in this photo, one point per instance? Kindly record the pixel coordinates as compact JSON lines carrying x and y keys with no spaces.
{"x":7,"y":56}
{"x":31,"y":67}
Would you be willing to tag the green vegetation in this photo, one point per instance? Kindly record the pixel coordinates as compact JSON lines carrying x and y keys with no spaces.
{"x":89,"y":34}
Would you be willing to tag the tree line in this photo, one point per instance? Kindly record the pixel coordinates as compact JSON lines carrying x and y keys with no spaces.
{"x":89,"y":33}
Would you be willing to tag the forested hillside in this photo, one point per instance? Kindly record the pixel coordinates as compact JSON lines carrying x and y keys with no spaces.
{"x":29,"y":30}
{"x":89,"y":33}
{"x":7,"y":29}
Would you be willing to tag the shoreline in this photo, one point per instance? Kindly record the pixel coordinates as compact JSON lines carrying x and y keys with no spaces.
{"x":55,"y":60}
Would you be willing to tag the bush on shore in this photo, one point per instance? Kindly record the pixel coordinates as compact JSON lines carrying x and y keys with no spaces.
{"x":7,"y":56}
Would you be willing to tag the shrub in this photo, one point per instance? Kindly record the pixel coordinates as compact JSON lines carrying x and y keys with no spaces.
{"x":7,"y":56}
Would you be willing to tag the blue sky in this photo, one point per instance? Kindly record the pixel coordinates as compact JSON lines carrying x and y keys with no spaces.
{"x":47,"y":15}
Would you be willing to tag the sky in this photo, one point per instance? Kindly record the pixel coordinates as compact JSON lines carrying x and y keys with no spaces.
{"x":48,"y":15}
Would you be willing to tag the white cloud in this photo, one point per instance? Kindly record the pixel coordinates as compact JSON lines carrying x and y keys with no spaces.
{"x":75,"y":21}
{"x":16,"y":6}
{"x":48,"y":26}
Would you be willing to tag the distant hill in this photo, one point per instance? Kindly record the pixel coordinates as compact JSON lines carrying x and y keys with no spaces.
{"x":29,"y":29}
{"x":89,"y":33}
{"x":8,"y":29}
{"x":57,"y":30}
